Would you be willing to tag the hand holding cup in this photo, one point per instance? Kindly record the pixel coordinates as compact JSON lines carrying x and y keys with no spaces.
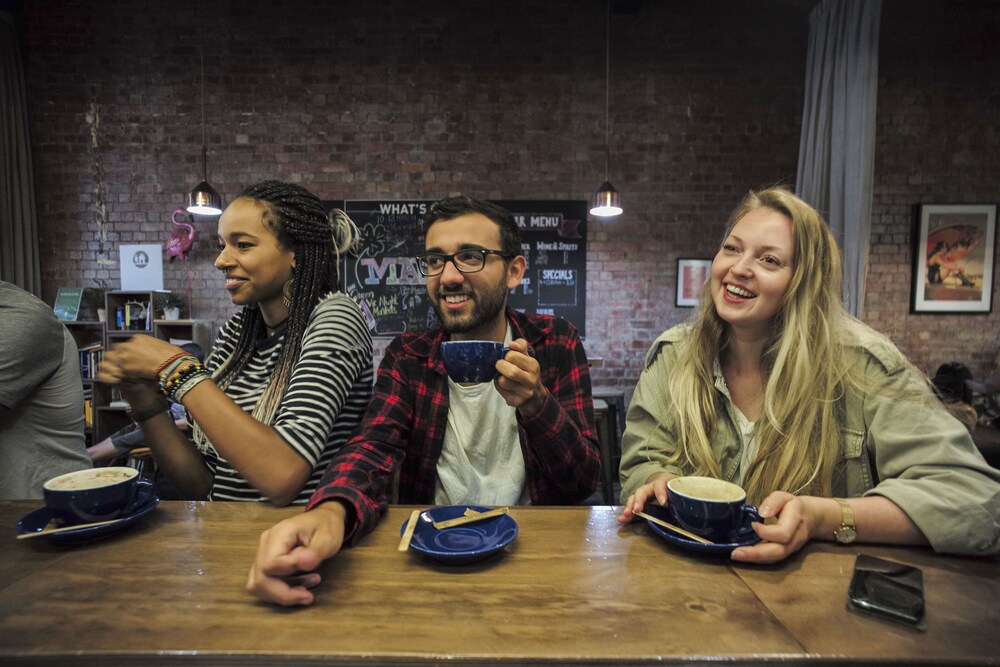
{"x":469,"y":361}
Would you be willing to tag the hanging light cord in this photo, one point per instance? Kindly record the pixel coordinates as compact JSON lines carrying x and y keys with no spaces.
{"x":607,"y":98}
{"x":204,"y":148}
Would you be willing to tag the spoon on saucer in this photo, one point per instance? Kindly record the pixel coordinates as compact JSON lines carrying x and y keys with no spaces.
{"x":64,"y":529}
{"x":676,"y":529}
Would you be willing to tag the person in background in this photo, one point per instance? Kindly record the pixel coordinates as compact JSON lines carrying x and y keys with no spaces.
{"x":820,"y":418}
{"x":528,"y":437}
{"x":988,"y":391}
{"x":950,"y":384}
{"x":290,"y":375}
{"x":129,"y":438}
{"x":41,"y":396}
{"x":988,"y":387}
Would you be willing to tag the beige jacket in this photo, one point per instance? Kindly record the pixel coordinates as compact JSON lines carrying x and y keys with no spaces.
{"x":918,"y":456}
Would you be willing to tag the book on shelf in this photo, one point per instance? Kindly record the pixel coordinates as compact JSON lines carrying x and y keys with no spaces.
{"x":90,"y":360}
{"x":67,"y":303}
{"x":134,"y":316}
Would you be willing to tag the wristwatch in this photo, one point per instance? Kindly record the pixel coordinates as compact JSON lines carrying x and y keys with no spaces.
{"x":847,"y":532}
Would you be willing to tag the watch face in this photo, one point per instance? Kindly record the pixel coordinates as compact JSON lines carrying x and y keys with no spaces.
{"x":846,"y":534}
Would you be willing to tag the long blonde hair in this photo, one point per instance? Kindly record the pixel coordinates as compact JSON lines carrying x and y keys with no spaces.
{"x":806,"y":365}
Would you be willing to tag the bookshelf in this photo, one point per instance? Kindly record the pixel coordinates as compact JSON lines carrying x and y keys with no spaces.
{"x":89,"y":337}
{"x":178,"y":332}
{"x":129,"y":313}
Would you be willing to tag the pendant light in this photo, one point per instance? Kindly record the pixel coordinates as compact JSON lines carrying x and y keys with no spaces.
{"x":607,"y":202}
{"x":204,"y":200}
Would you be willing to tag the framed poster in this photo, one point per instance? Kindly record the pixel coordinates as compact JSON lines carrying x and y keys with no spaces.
{"x":953,"y":258}
{"x":692,"y":274}
{"x":141,"y":267}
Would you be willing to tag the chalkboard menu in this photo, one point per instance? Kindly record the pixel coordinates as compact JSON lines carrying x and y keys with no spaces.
{"x":383,"y":278}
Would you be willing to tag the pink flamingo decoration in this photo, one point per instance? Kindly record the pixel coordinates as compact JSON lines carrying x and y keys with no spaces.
{"x":180,"y":241}
{"x":179,"y":244}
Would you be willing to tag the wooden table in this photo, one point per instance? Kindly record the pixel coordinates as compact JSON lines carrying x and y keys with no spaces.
{"x":574,"y":588}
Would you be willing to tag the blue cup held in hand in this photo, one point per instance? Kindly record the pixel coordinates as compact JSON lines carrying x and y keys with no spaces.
{"x":712,"y":508}
{"x":470,"y":361}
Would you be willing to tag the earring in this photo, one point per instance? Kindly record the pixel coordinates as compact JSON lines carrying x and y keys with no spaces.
{"x":286,"y":294}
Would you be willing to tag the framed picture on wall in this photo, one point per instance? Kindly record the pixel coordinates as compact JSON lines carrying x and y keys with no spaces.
{"x":692,"y":274}
{"x":953,"y":258}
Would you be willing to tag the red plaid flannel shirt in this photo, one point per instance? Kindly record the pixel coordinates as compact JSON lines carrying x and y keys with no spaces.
{"x":405,"y":425}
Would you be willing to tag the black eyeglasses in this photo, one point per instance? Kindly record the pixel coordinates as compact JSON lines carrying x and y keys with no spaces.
{"x":466,"y":261}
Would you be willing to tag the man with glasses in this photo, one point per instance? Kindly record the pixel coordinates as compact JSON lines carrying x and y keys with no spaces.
{"x":528,"y":437}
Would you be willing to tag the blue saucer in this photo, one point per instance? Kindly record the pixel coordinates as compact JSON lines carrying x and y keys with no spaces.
{"x":462,"y":544}
{"x":36,"y":521}
{"x":744,"y":538}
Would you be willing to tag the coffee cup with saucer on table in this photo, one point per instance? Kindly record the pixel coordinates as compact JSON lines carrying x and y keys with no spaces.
{"x":90,"y":496}
{"x":91,"y":503}
{"x":712,"y":509}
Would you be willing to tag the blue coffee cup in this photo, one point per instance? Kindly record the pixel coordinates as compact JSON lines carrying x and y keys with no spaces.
{"x":713,"y":508}
{"x":470,"y":361}
{"x":92,"y":495}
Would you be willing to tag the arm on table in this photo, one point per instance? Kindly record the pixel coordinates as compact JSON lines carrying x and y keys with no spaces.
{"x":804,"y":518}
{"x":289,"y":552}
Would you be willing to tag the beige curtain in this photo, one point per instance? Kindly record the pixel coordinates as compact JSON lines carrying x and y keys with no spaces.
{"x":837,"y":146}
{"x":18,"y":224}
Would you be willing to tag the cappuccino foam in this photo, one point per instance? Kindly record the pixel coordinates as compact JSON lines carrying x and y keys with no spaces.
{"x":706,"y":488}
{"x":90,"y":479}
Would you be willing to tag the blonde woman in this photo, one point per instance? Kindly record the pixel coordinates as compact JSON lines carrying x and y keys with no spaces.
{"x":290,"y":375}
{"x":773,"y":386}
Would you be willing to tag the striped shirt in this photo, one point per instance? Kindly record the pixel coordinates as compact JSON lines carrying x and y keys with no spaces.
{"x":330,"y":387}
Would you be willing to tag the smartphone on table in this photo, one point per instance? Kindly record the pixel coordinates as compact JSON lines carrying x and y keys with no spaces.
{"x":887,"y":589}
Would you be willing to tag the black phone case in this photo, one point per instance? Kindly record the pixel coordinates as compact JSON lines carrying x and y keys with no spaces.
{"x":887,"y":589}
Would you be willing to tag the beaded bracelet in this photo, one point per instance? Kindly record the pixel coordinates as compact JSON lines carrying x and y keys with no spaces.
{"x":178,"y":392}
{"x":142,"y":415}
{"x":173,"y":366}
{"x":180,"y":377}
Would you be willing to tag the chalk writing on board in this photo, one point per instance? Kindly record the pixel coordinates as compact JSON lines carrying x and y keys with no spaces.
{"x":382,"y":276}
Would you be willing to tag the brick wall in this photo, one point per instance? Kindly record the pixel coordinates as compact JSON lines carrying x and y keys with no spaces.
{"x":937,"y":141}
{"x":422,"y":99}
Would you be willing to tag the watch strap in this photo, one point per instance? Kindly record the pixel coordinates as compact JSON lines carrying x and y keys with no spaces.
{"x":847,"y":531}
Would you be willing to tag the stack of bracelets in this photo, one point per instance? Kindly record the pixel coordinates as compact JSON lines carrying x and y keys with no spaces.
{"x":175,"y":383}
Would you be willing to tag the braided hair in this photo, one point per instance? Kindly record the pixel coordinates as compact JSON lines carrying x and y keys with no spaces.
{"x":301,"y":224}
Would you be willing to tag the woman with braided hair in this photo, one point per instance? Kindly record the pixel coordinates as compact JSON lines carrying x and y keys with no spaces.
{"x":288,"y":378}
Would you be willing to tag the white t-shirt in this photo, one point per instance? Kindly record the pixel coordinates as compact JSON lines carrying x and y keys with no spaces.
{"x":749,"y":450}
{"x":481,"y":461}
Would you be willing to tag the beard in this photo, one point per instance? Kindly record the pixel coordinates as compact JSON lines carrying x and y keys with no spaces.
{"x":487,"y":305}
